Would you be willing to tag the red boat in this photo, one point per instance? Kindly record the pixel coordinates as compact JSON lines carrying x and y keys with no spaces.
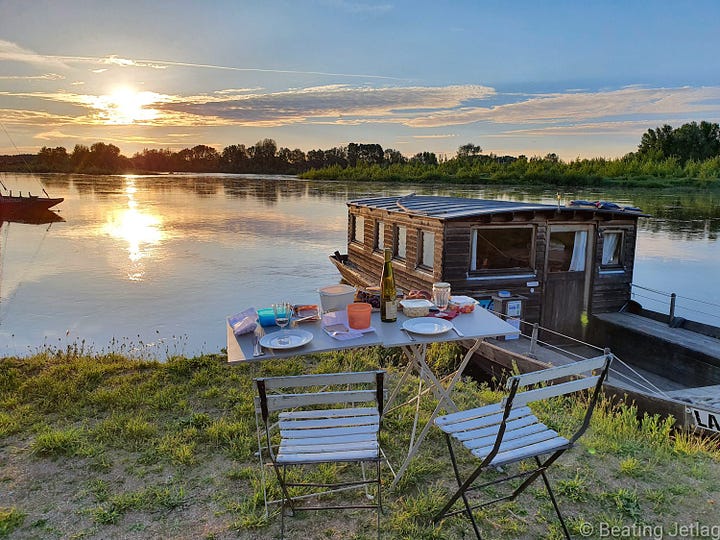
{"x":31,"y":203}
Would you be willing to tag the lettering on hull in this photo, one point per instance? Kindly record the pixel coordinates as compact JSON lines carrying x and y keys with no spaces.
{"x":705,"y":419}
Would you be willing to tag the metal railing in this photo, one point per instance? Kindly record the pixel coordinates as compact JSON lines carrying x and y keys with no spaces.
{"x":671,"y":299}
{"x":635,"y":378}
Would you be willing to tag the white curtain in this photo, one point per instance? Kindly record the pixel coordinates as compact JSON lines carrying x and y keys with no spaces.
{"x":610,"y":242}
{"x":577,"y":263}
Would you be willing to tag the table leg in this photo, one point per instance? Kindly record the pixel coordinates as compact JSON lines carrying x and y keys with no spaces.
{"x":442,"y":394}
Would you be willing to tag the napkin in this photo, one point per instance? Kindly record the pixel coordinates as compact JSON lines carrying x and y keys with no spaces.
{"x":335,"y":325}
{"x":449,"y":314}
{"x":244,"y":322}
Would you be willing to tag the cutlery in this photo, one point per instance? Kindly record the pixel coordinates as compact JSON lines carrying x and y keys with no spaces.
{"x":458,"y":332}
{"x":408,"y":334}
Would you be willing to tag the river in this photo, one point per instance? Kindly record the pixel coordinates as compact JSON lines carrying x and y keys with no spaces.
{"x":150,"y":266}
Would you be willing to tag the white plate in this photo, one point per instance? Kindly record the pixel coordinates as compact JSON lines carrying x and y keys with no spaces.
{"x":295,"y":338}
{"x":428,"y":326}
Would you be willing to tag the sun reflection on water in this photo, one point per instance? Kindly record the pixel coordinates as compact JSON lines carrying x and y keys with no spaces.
{"x":141,"y":230}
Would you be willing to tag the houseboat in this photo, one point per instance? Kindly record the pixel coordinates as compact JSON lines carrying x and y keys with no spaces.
{"x":566,"y":268}
{"x":560,"y":263}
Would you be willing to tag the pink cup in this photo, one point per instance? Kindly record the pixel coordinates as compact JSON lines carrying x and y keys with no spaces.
{"x":358,"y":315}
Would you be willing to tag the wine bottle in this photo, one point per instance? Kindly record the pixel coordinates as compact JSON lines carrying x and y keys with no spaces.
{"x":388,"y":293}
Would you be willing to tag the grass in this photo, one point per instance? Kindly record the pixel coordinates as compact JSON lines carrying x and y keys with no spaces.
{"x":101,"y":446}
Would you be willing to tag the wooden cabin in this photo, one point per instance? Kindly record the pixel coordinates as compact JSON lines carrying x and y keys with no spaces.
{"x":563,"y":263}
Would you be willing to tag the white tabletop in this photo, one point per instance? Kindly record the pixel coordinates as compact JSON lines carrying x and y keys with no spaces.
{"x":478,"y":324}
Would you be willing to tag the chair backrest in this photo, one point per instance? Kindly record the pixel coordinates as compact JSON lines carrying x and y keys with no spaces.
{"x":546,"y":377}
{"x":360,"y":387}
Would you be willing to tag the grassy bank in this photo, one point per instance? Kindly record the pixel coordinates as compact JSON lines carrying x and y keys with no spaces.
{"x":588,"y":173}
{"x":100,"y":446}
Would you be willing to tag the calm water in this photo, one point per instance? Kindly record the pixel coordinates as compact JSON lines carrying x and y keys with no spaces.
{"x":153,"y":265}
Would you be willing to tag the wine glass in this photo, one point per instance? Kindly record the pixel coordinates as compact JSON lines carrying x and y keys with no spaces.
{"x":441,"y":295}
{"x":283,"y":312}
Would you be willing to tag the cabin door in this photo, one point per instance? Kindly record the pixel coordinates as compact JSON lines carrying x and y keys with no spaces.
{"x":567,"y":280}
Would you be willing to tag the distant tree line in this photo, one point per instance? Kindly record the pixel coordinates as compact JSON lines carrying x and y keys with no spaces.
{"x":691,"y":151}
{"x":262,"y":157}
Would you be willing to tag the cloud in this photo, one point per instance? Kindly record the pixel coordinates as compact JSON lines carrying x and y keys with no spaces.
{"x":43,"y":77}
{"x":576,"y":106}
{"x":448,"y":136}
{"x":341,"y":103}
{"x":12,"y":51}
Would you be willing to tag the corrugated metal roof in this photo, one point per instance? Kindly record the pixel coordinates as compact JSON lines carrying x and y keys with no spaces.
{"x":459,"y":207}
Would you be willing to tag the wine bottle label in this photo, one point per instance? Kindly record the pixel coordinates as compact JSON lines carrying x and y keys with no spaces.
{"x":391,"y":310}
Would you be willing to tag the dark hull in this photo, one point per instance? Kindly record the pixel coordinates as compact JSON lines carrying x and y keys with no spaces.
{"x":28,"y":209}
{"x":350,"y":273}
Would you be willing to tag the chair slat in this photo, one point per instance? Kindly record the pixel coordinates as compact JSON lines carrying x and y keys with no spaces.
{"x":328,"y":413}
{"x":477,"y":412}
{"x":277,"y":402}
{"x":483,"y":421}
{"x":358,"y":455}
{"x":329,"y":432}
{"x":330,"y":422}
{"x":338,"y":439}
{"x":537,"y":436}
{"x":320,"y":379}
{"x":489,"y":440}
{"x":326,"y":447}
{"x":518,"y":454}
{"x":568,"y":370}
{"x":491,"y":430}
{"x":523,"y":398}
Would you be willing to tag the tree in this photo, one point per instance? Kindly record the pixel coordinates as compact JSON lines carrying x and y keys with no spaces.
{"x":53,"y":159}
{"x":263,"y":155}
{"x":468,"y":150}
{"x":80,"y":157}
{"x":424,"y":158}
{"x":235,"y":158}
{"x":392,"y":157}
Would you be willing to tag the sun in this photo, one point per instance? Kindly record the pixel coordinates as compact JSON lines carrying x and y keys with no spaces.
{"x":125,"y":105}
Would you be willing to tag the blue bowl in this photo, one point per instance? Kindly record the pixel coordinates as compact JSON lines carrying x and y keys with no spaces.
{"x":266,"y":317}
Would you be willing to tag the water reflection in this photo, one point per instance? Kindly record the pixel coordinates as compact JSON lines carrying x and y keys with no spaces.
{"x":138,"y":228}
{"x":160,"y":260}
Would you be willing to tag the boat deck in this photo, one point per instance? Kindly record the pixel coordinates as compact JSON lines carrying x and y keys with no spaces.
{"x":687,"y":339}
{"x":621,"y":374}
{"x":706,"y":396}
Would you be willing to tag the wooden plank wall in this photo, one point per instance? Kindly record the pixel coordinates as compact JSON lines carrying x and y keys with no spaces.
{"x":609,"y":291}
{"x":407,"y":273}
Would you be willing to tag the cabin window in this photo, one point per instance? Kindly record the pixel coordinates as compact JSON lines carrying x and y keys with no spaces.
{"x":358,"y":229}
{"x":400,"y":241}
{"x":502,"y":250}
{"x":566,"y":251}
{"x":612,"y":248}
{"x":426,"y":254}
{"x":380,"y":235}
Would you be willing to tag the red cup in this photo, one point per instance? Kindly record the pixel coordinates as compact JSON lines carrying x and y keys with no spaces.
{"x":358,"y":315}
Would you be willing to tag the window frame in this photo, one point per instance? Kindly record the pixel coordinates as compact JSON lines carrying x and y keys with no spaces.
{"x":620,"y":265}
{"x":515,"y":272}
{"x":421,"y":250}
{"x":396,"y":242}
{"x":379,"y":241}
{"x":354,"y":229}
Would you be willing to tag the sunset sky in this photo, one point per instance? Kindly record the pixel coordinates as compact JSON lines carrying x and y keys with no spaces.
{"x":515,"y":77}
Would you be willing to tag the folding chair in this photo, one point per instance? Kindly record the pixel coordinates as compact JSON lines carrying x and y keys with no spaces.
{"x":322,"y":424}
{"x":508,"y":432}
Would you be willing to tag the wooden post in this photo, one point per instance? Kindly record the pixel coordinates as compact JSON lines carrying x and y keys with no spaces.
{"x":672,"y":309}
{"x":533,"y":340}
